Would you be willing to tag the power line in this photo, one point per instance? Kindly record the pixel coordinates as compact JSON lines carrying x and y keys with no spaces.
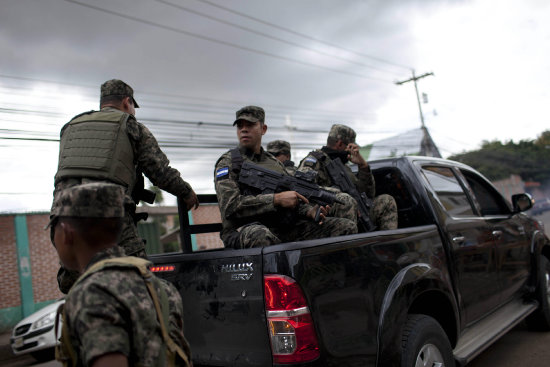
{"x":302,"y":34}
{"x":220,"y":42}
{"x":163,"y":94}
{"x":270,"y":36}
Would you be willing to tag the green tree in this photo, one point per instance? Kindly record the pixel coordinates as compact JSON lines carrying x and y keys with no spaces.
{"x":496,"y":160}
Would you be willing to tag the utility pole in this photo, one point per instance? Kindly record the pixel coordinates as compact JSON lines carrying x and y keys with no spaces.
{"x":414,"y":79}
{"x":427,"y":145}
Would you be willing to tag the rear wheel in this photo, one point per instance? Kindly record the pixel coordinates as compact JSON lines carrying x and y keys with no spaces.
{"x":425,"y":344}
{"x":540,"y":319}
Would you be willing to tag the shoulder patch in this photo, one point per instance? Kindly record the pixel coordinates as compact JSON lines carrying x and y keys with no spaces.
{"x":222,"y":172}
{"x":310,"y":161}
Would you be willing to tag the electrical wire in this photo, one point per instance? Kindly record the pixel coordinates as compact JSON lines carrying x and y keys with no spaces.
{"x":270,"y":36}
{"x":221,"y":42}
{"x":211,"y":3}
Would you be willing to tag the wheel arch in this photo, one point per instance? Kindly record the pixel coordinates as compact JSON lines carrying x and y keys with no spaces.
{"x":420,"y":289}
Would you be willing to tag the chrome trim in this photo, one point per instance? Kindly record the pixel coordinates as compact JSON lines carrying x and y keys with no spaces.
{"x":288,"y":313}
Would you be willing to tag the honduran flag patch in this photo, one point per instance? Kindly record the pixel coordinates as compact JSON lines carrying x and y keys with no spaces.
{"x":310,"y":161}
{"x":222,"y":172}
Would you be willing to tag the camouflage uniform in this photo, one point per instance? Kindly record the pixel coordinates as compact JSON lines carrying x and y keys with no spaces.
{"x":111,"y":310}
{"x":148,"y":157}
{"x":252,"y":220}
{"x":384,"y":209}
{"x":277,"y":147}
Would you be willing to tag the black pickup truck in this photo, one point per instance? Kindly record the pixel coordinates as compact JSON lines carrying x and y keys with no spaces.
{"x":463,"y":267}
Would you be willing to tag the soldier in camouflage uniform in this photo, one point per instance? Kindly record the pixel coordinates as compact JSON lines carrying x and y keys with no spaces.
{"x":109,"y":314}
{"x":281,"y":150}
{"x":252,"y":220}
{"x":341,"y":144}
{"x":110,"y":145}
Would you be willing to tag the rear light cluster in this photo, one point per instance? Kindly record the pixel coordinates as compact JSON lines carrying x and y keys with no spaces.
{"x":293,"y":338}
{"x":163,"y":268}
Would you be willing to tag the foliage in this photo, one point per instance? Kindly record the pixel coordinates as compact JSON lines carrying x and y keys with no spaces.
{"x":496,"y":160}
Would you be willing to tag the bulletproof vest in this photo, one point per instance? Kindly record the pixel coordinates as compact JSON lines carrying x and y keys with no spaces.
{"x":173,"y":356}
{"x":332,"y":154}
{"x":96,"y":145}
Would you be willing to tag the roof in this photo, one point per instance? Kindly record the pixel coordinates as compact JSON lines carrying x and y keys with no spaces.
{"x":412,"y":142}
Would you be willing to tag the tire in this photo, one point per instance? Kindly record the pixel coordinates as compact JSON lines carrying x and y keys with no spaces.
{"x":540,"y":319}
{"x":424,"y":343}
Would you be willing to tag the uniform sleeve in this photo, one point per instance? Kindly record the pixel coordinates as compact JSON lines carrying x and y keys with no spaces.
{"x":97,"y":324}
{"x":153,"y":162}
{"x":365,"y":182}
{"x":232,"y":204}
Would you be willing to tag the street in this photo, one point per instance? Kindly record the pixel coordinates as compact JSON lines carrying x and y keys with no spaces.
{"x":519,"y":347}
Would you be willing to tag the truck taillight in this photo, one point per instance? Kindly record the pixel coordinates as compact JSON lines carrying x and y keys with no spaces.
{"x":293,"y":338}
{"x":163,"y":268}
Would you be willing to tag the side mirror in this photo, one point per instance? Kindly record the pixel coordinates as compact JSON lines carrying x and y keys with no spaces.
{"x":522,"y":202}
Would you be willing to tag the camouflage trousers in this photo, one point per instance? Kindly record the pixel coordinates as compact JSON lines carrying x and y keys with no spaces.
{"x":130,"y":240}
{"x":258,"y":235}
{"x":383,"y":212}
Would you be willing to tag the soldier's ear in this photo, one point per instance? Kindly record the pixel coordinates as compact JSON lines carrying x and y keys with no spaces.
{"x":264,"y":128}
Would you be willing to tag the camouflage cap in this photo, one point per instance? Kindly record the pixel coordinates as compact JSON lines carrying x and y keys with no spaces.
{"x":342,"y":132}
{"x":276,"y":147}
{"x":93,"y":200}
{"x":250,"y":113}
{"x":116,"y":87}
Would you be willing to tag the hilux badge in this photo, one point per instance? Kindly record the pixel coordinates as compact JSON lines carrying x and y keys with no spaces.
{"x":240,"y":271}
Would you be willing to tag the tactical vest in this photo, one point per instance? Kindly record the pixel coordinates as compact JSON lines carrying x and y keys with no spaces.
{"x":96,"y":145}
{"x":173,"y":356}
{"x":237,"y":162}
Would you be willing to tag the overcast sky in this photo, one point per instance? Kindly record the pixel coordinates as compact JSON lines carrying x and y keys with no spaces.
{"x":309,"y":63}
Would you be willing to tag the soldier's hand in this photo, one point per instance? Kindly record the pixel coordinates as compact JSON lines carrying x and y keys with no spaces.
{"x":318,"y":213}
{"x":192,"y":201}
{"x":355,"y":156}
{"x":288,"y":199}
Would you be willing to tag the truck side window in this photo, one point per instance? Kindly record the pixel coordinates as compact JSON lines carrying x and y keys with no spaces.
{"x":490,"y":201}
{"x":448,"y":190}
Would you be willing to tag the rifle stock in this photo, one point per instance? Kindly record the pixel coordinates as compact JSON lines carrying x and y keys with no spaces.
{"x":337,"y":172}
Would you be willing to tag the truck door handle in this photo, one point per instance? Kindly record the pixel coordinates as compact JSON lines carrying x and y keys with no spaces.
{"x":497,"y":233}
{"x":459,"y":240}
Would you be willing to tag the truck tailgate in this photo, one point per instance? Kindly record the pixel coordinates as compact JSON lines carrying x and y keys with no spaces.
{"x":223,"y":305}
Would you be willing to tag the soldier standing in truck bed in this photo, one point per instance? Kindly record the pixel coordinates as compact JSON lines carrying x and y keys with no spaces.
{"x":250,"y":220}
{"x":110,"y":145}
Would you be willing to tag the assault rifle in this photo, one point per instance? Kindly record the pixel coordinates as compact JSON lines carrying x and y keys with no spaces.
{"x":268,"y":181}
{"x":337,"y":172}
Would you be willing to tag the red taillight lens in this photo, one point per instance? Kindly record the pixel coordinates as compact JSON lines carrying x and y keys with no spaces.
{"x":293,"y":338}
{"x":163,"y":268}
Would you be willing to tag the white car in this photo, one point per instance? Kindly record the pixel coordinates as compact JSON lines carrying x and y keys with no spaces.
{"x":35,"y":334}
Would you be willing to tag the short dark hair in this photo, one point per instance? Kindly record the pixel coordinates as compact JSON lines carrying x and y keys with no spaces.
{"x":96,"y":230}
{"x":112,"y":99}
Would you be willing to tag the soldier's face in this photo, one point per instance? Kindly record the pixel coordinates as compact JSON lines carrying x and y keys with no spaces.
{"x":61,"y":241}
{"x":250,"y":134}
